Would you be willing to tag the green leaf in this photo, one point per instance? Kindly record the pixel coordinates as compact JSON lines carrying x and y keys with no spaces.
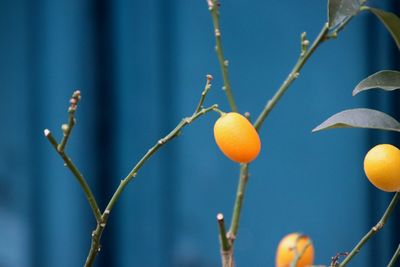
{"x":339,"y":10}
{"x":391,"y":22}
{"x":388,"y":80}
{"x":360,"y":118}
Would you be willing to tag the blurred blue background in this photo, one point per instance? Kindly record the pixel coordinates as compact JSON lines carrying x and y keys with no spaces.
{"x":141,"y":67}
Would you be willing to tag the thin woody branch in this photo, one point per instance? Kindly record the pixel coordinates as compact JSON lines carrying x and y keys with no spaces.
{"x":373,"y":230}
{"x":60,"y":149}
{"x":199,"y":111}
{"x":213,"y":6}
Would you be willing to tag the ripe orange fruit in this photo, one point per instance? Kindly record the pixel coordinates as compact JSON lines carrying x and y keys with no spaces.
{"x":382,"y":167}
{"x":236,"y":137}
{"x":290,"y":245}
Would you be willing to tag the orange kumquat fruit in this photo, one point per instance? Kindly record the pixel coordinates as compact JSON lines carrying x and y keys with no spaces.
{"x":382,"y":167}
{"x":236,"y":137}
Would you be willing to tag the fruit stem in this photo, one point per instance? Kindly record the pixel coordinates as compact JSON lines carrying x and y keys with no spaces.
{"x":220,"y":112}
{"x":373,"y":230}
{"x":213,"y":6}
{"x":394,"y":258}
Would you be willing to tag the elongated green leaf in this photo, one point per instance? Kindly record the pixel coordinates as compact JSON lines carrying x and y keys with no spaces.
{"x":388,"y":80}
{"x":339,"y":10}
{"x":360,"y":118}
{"x":391,"y":22}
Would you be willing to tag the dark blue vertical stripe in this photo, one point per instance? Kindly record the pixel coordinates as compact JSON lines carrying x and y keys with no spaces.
{"x":105,"y":114}
{"x":36,"y":148}
{"x":138,"y":126}
{"x":168,"y":102}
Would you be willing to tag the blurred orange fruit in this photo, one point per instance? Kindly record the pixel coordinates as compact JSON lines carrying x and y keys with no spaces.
{"x":290,"y":245}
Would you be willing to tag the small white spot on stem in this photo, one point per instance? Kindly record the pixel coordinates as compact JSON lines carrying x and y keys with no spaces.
{"x":46,"y":132}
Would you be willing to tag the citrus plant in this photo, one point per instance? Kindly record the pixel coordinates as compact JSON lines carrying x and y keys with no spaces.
{"x":382,"y":162}
{"x":238,"y":138}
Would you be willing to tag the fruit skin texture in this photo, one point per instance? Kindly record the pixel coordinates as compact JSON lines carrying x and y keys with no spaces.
{"x":285,"y":253}
{"x":382,"y":167}
{"x":237,"y":138}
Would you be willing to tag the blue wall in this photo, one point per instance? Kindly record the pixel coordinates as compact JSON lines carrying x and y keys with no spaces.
{"x":141,"y":67}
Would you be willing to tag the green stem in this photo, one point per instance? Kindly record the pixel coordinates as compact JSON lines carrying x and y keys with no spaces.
{"x":132,"y":174}
{"x":291,"y":77}
{"x":394,"y":258}
{"x":66,"y":132}
{"x":78,"y":175}
{"x":243,"y":178}
{"x":214,"y":10}
{"x":373,"y":230}
{"x":222,"y":232}
{"x":226,"y":248}
{"x":96,"y":236}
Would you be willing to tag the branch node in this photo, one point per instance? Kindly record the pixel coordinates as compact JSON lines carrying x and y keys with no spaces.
{"x":161,"y":141}
{"x":231,"y":236}
{"x":64,"y":128}
{"x":304,"y":43}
